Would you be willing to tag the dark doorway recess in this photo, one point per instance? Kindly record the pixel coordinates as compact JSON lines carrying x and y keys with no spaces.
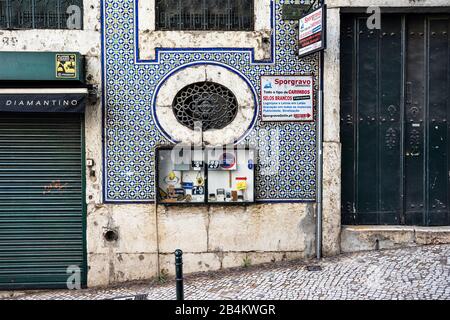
{"x":395,"y":111}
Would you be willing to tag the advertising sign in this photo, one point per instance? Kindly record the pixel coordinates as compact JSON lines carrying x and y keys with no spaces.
{"x":66,"y":66}
{"x":312,"y":32}
{"x":287,"y":98}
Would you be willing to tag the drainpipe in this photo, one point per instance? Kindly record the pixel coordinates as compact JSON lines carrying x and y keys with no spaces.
{"x":319,"y":175}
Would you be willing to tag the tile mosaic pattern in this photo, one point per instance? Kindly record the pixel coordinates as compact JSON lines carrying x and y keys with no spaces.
{"x":287,"y":153}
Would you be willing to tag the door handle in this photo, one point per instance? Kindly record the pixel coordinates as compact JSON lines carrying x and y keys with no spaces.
{"x":412,"y":154}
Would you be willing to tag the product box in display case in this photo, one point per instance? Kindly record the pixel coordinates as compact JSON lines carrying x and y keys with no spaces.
{"x":181,"y":176}
{"x":230,"y":175}
{"x":187,"y":175}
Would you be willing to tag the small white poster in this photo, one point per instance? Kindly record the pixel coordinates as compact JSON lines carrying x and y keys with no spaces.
{"x":311,"y":32}
{"x":287,"y":98}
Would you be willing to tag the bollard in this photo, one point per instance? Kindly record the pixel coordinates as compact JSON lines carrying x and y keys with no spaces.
{"x":179,"y":273}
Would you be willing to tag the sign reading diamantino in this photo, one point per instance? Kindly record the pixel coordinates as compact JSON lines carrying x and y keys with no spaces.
{"x":287,"y":98}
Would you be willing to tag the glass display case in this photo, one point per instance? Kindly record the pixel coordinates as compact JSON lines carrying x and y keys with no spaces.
{"x":207,"y":175}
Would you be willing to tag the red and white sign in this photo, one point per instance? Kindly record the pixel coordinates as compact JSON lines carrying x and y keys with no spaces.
{"x":311,"y":32}
{"x":287,"y":98}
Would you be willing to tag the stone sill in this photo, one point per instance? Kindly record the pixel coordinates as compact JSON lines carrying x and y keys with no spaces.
{"x":366,"y":238}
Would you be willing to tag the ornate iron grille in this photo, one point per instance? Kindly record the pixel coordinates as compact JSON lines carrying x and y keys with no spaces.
{"x":37,"y":14}
{"x":225,"y":15}
{"x":209,"y":103}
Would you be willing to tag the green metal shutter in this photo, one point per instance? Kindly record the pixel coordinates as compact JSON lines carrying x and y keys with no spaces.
{"x":42,"y":212}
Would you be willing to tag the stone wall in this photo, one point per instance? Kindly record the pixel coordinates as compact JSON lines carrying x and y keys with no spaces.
{"x":366,"y":238}
{"x":211,"y":237}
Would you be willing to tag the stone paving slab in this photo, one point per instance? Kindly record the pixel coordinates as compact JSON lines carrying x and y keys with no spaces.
{"x":412,"y":273}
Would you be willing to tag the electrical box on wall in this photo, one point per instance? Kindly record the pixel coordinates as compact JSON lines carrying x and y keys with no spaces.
{"x":205,"y":175}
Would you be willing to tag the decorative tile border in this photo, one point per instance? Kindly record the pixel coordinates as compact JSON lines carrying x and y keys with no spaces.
{"x":287,"y":152}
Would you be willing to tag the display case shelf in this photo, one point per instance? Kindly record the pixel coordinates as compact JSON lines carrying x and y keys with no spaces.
{"x":195,"y":176}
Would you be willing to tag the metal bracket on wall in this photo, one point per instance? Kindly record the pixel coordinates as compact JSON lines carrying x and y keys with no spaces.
{"x":298,"y":11}
{"x":295,"y":11}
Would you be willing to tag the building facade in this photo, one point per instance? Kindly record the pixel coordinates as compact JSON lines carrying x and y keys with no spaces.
{"x":145,"y":56}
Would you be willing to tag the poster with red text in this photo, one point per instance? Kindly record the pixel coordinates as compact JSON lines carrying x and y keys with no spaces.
{"x":312,"y":32}
{"x":287,"y":98}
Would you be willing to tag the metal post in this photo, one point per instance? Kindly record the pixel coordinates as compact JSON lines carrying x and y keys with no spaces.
{"x":319,"y":161}
{"x":179,"y":273}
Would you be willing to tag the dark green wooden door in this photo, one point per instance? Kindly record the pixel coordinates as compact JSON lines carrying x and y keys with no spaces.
{"x":42,"y":215}
{"x":395,"y":104}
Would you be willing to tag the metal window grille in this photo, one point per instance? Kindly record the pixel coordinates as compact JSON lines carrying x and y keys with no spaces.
{"x":222,"y":15}
{"x":207,"y":103}
{"x":36,"y":14}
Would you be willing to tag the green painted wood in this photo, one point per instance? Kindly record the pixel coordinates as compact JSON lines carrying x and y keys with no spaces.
{"x":42,"y":212}
{"x":35,"y":66}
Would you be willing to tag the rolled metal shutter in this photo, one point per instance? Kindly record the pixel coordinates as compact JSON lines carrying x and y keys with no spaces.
{"x":42,"y":215}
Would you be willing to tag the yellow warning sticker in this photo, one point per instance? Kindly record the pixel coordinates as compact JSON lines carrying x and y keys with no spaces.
{"x":66,"y":66}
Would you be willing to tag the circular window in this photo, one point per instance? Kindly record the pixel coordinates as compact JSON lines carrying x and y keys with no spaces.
{"x":209,"y":104}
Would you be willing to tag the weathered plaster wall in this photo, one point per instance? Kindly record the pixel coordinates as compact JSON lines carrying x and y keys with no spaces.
{"x":211,"y":237}
{"x":332,"y":145}
{"x":133,"y":255}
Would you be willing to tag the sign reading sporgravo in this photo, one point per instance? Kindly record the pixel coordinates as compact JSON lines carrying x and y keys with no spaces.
{"x":287,"y":98}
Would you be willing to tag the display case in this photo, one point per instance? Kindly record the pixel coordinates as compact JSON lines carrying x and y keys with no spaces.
{"x":187,"y":175}
{"x":230,"y":175}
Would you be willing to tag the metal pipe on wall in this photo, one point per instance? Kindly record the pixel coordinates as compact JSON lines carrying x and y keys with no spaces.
{"x":319,"y":175}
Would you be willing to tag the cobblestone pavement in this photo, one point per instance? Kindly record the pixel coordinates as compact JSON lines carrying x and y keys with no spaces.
{"x":413,"y":273}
